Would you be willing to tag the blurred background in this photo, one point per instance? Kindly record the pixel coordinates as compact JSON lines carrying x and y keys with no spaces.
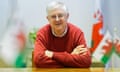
{"x":20,"y":20}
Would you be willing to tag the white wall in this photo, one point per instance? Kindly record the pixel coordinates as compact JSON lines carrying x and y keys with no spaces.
{"x":111,"y":13}
{"x":4,"y":15}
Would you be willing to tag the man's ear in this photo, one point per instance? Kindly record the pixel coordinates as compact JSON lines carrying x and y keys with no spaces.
{"x":67,"y":15}
{"x":47,"y":18}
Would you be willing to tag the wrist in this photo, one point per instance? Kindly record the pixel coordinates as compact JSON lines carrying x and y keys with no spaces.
{"x":49,"y":53}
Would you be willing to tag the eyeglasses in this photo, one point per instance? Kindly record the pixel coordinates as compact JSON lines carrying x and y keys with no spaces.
{"x":57,"y":16}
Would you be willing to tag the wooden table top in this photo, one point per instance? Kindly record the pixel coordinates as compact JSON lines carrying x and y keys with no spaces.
{"x":95,"y":69}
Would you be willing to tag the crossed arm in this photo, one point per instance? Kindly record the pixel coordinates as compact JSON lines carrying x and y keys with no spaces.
{"x":78,"y":50}
{"x":79,"y":57}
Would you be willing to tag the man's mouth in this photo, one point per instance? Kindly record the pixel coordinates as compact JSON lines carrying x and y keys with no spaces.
{"x":58,"y":24}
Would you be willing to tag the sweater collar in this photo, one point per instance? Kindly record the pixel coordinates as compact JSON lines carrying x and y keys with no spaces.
{"x":61,"y":34}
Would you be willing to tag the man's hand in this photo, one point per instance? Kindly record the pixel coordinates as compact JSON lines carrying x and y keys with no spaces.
{"x":80,"y":50}
{"x":49,"y":53}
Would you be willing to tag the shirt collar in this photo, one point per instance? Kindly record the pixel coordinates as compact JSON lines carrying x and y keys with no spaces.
{"x":61,"y":34}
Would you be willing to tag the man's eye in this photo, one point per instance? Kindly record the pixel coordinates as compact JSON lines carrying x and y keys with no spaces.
{"x":60,"y":16}
{"x":53,"y":16}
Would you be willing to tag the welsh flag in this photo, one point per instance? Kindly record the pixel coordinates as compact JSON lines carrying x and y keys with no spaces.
{"x":105,"y":49}
{"x":14,"y":39}
{"x":97,"y":34}
{"x":13,"y":44}
{"x":101,"y":45}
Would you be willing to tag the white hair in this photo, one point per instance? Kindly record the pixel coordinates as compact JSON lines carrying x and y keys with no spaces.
{"x":56,"y":5}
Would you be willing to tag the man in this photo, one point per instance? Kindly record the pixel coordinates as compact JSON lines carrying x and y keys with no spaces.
{"x":60,"y":44}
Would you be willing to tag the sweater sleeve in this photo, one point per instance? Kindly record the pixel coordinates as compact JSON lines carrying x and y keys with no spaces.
{"x":68,"y":60}
{"x":39,"y":58}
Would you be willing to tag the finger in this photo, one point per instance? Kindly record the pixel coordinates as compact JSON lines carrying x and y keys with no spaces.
{"x":80,"y":46}
{"x":83,"y":50}
{"x":79,"y":49}
{"x":84,"y":53}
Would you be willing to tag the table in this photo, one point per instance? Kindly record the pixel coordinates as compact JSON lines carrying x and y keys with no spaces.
{"x":60,"y":70}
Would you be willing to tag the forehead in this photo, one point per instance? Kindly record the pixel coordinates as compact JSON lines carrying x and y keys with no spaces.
{"x":56,"y":11}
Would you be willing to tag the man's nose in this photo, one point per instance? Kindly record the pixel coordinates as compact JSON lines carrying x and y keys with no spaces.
{"x":57,"y":18}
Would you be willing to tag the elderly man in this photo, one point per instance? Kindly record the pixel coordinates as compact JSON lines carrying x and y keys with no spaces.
{"x":60,"y":44}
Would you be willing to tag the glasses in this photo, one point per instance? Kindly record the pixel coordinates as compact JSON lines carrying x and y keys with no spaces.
{"x":59,"y":16}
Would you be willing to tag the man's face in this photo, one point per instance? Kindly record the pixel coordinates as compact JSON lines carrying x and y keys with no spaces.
{"x":58,"y":19}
